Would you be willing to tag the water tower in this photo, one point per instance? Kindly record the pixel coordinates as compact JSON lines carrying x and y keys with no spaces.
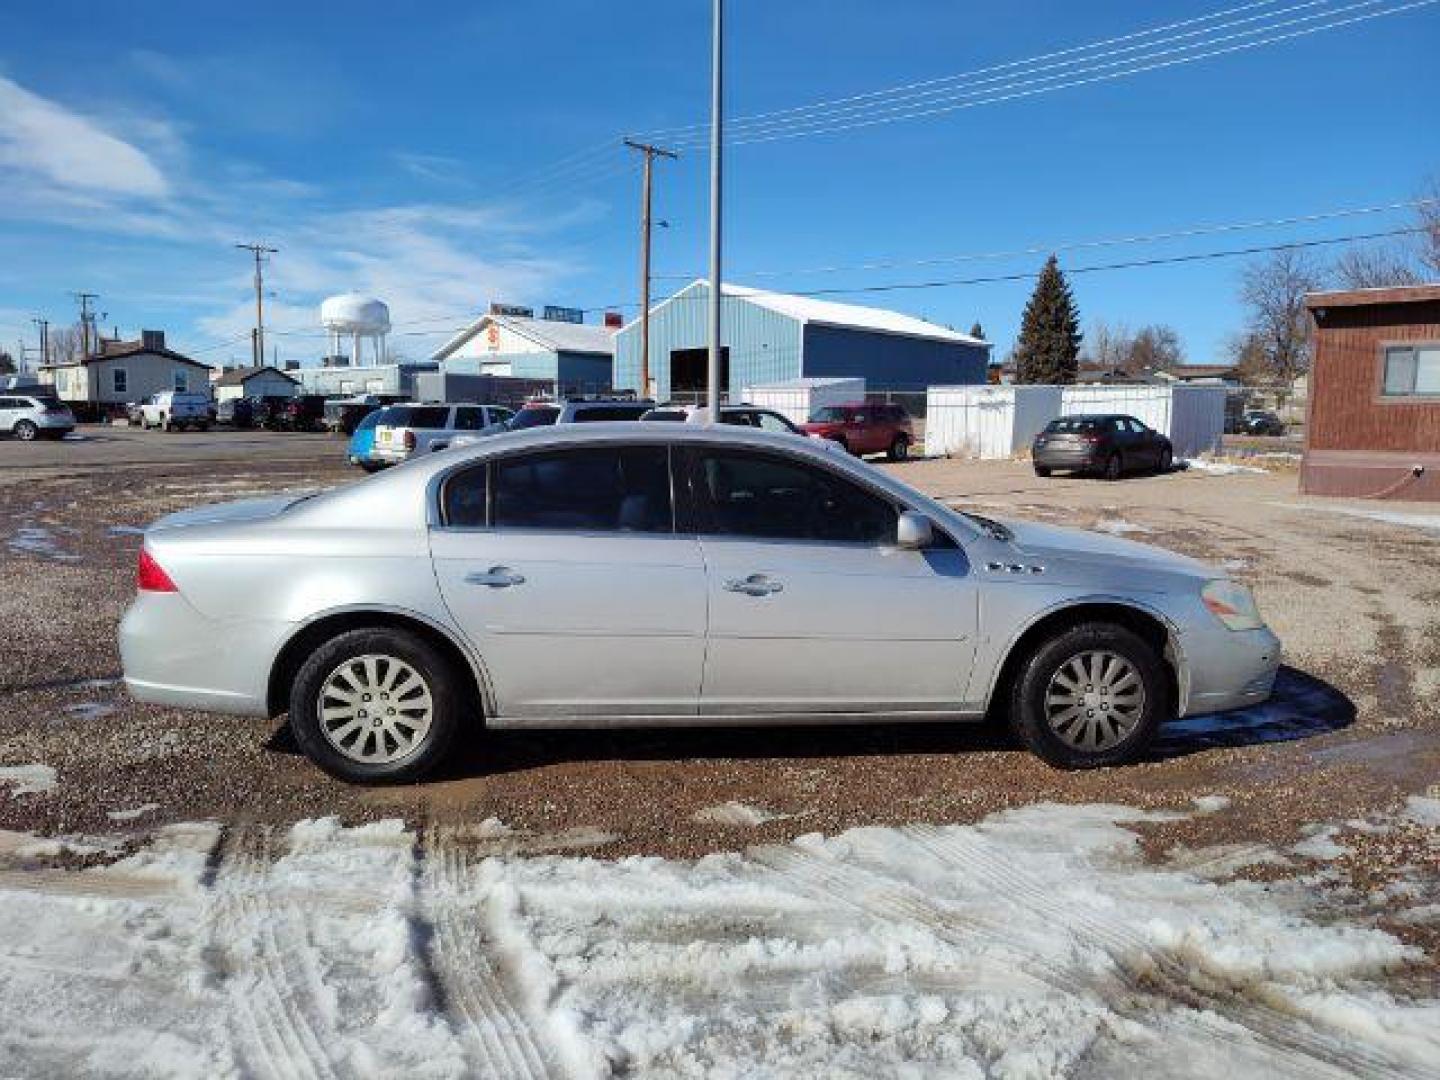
{"x":361,"y":319}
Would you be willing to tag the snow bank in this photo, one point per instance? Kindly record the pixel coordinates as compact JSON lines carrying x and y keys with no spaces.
{"x":28,"y":779}
{"x":1219,"y":468}
{"x":1424,"y":522}
{"x":1036,"y":943}
{"x":735,"y":814}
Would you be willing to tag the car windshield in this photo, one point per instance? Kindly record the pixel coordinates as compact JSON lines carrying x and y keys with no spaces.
{"x":532,"y":416}
{"x":826,"y":414}
{"x":1070,"y":425}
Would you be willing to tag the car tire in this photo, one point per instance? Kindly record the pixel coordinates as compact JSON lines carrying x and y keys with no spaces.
{"x":1167,"y":460}
{"x":364,"y":660}
{"x":899,"y":449}
{"x":25,"y":430}
{"x":1042,"y":470}
{"x":839,"y":440}
{"x":1114,"y":468}
{"x":371,"y":466}
{"x":1040,"y":697}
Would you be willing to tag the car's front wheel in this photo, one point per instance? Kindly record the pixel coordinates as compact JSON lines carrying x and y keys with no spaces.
{"x":1092,"y":695}
{"x":1167,"y":460}
{"x":1042,"y":470}
{"x":377,"y":706}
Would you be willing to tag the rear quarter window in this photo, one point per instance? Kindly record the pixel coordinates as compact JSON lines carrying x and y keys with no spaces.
{"x":421,"y":416}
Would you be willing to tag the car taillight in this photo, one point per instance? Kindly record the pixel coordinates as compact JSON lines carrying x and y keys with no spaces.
{"x":150,"y":576}
{"x":409,"y":440}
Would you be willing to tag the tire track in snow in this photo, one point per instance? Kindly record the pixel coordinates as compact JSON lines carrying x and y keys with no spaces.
{"x":497,"y":1038}
{"x":1149,"y":971}
{"x":276,"y":1014}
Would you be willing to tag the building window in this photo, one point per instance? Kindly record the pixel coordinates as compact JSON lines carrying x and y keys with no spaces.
{"x":1412,"y":370}
{"x":347,"y":386}
{"x":120,"y":380}
{"x":182,"y":380}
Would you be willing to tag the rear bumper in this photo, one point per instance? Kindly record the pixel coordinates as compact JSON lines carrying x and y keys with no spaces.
{"x":1229,"y":669}
{"x":173,"y":655}
{"x":1065,"y":457}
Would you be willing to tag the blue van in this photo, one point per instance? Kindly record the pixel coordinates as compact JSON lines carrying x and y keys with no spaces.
{"x":362,"y":444}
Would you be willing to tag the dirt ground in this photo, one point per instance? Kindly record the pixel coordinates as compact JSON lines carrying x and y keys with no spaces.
{"x":1354,"y":727}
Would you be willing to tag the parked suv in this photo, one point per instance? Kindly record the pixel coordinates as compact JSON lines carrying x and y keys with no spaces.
{"x":864,"y":429}
{"x":304,"y":412}
{"x":407,"y":429}
{"x":172,"y":410}
{"x":33,"y":416}
{"x":1108,"y":445}
{"x":237,"y":412}
{"x":1261,"y":422}
{"x":577,"y":411}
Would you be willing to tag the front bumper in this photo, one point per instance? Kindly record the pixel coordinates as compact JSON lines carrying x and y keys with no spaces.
{"x":173,"y":655}
{"x":1229,"y":669}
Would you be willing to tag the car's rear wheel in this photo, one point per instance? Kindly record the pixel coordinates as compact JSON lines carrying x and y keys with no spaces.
{"x":1042,"y":470}
{"x":899,"y":448}
{"x":1114,"y":467}
{"x":1090,"y":696}
{"x":25,"y":431}
{"x":377,"y":706}
{"x":1167,"y":460}
{"x":371,"y":466}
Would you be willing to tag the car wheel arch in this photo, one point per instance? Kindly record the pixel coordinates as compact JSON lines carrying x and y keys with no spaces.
{"x":1151,"y":625}
{"x":320,"y":628}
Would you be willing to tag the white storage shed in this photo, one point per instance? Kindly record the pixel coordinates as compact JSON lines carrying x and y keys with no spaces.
{"x":795,"y":398}
{"x":1193,"y":417}
{"x":986,"y":421}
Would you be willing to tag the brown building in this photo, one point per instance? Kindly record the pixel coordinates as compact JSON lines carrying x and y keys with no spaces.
{"x":1373,"y":425}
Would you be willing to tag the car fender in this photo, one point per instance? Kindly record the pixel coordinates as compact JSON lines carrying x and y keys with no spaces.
{"x":447,"y":630}
{"x":990,"y":662}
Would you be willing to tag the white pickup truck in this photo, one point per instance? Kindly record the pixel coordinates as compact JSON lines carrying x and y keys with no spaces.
{"x":170,"y":410}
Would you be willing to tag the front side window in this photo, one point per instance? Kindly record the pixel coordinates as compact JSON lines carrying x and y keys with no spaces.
{"x":772,"y":422}
{"x":591,"y":489}
{"x":774,"y":498}
{"x":119,"y":380}
{"x":1412,"y":370}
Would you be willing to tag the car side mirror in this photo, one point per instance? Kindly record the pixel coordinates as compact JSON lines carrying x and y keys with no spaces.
{"x":914,"y":531}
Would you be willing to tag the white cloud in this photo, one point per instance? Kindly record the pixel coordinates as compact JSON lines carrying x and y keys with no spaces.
{"x":45,"y":140}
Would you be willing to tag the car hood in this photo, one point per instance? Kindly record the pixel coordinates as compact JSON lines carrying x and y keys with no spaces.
{"x":1060,"y":549}
{"x":227,"y":512}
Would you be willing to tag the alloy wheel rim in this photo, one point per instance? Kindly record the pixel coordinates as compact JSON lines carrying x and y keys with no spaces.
{"x":1095,"y":700}
{"x":375,"y":709}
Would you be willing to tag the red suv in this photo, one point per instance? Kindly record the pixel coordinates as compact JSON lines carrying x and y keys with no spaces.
{"x":864,"y":429}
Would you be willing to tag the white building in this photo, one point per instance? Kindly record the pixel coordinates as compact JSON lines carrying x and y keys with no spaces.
{"x":266,"y":381}
{"x":124,"y":371}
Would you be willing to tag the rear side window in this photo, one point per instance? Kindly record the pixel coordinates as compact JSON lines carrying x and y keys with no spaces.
{"x":464,"y":498}
{"x":1071,"y":425}
{"x":756,"y":495}
{"x":469,"y":418}
{"x":534,"y":417}
{"x":594,"y":489}
{"x":419,"y":416}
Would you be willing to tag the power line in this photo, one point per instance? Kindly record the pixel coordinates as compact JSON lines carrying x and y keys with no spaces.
{"x":1185,"y":233}
{"x":1029,"y":86}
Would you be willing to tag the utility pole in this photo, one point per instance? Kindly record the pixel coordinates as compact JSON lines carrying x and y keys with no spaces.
{"x":259,"y":250}
{"x":651,"y":153}
{"x":717,"y":101}
{"x":44,"y":325}
{"x":83,"y":299}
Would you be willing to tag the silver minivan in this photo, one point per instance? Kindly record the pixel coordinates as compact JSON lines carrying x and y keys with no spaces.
{"x":30,"y":416}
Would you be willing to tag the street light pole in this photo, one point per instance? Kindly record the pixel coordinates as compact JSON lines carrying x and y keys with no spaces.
{"x":717,"y":84}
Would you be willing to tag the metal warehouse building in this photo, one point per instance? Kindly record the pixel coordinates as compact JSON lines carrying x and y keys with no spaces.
{"x":576,"y":357}
{"x":771,"y":337}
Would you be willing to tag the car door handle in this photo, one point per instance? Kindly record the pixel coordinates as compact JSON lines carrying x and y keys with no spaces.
{"x":754,"y":585}
{"x":497,"y":577}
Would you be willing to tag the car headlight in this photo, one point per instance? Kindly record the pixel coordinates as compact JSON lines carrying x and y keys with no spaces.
{"x":1232,"y":603}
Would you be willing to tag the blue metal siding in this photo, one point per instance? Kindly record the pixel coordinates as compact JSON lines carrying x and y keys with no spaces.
{"x":891,"y":361}
{"x":576,"y":371}
{"x":764,"y":345}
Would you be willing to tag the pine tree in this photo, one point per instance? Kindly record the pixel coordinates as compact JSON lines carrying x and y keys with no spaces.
{"x":1048,"y":348}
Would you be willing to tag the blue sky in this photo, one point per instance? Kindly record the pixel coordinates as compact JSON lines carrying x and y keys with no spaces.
{"x":412,"y":154}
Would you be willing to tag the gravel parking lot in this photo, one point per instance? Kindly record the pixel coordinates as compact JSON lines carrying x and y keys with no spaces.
{"x":1354,"y":728}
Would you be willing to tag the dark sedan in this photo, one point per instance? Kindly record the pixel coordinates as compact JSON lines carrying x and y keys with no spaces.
{"x":1108,"y":445}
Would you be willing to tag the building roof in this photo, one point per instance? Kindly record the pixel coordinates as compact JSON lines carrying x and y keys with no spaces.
{"x":238,"y":376}
{"x":548,"y":333}
{"x":119,"y":350}
{"x":1186,"y":372}
{"x":1399,"y":294}
{"x":809,"y":309}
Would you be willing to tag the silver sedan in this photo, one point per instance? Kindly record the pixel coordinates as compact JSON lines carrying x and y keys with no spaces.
{"x":601,"y":575}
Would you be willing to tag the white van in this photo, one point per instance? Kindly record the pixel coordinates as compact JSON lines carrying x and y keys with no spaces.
{"x":410,"y":429}
{"x":170,"y":410}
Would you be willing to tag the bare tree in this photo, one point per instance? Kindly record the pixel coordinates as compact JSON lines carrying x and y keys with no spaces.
{"x":1151,"y":348}
{"x":1376,"y":266}
{"x":66,"y":345}
{"x":1107,"y":345}
{"x":1428,"y":213}
{"x":1277,"y":326}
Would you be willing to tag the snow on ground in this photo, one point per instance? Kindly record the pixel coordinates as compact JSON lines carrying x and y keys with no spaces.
{"x":1036,"y":943}
{"x":735,"y":813}
{"x":40,"y":542}
{"x":1119,"y":527}
{"x":1218,"y":468}
{"x":1427,"y":522}
{"x":33,"y":779}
